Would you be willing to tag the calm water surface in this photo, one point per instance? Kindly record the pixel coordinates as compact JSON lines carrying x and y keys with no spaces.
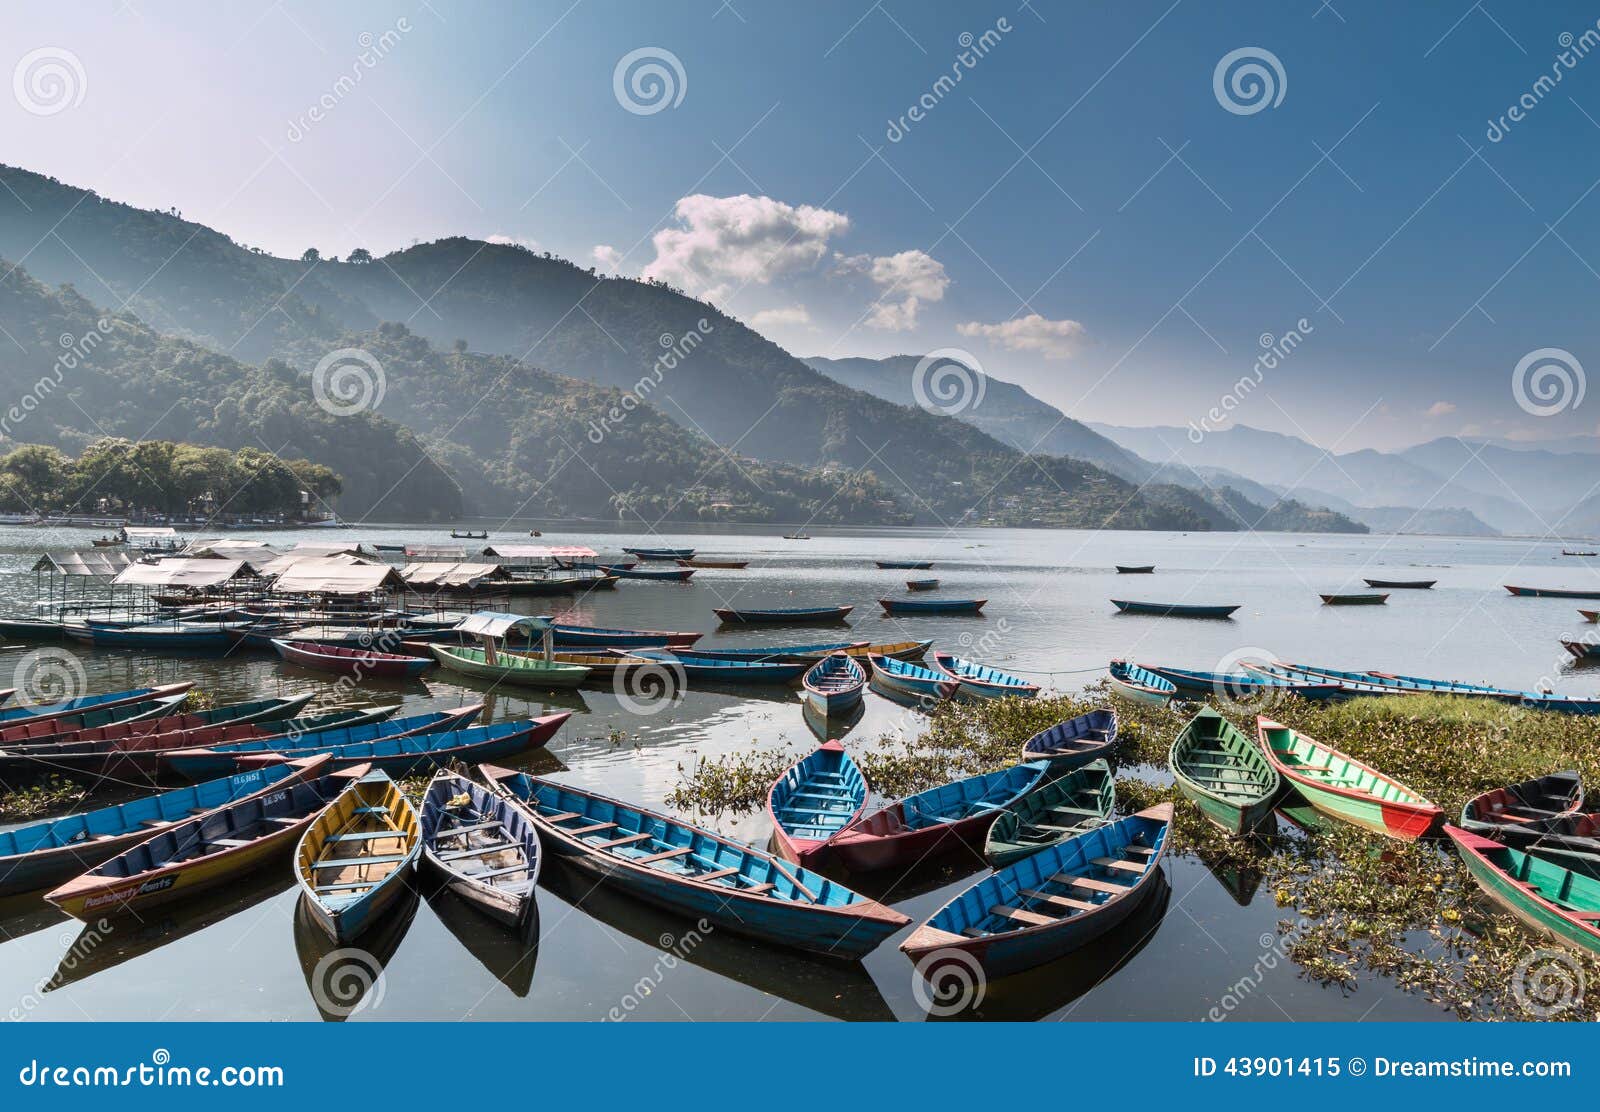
{"x":243,"y":954}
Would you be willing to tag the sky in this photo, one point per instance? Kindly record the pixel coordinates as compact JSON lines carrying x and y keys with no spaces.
{"x":1097,"y":209}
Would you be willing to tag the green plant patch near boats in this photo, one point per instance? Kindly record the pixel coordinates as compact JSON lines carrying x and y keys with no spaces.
{"x":1353,"y":906}
{"x":49,"y":796}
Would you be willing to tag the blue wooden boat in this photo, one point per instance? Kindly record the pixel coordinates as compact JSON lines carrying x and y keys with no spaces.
{"x":166,"y":637}
{"x":905,"y":565}
{"x":679,"y":575}
{"x":697,"y":873}
{"x":665,"y":555}
{"x":1140,"y":686}
{"x":902,"y":681}
{"x":199,"y":761}
{"x":922,"y":584}
{"x":352,"y":862}
{"x":46,"y":853}
{"x":588,"y":637}
{"x":1052,"y":902}
{"x":726,"y":671}
{"x":67,"y":708}
{"x":1387,"y":683}
{"x":1554,"y":592}
{"x":1173,"y":609}
{"x":773,"y":652}
{"x":932,"y":606}
{"x":792,"y":615}
{"x":408,"y":754}
{"x":815,"y":798}
{"x":922,"y":826}
{"x":1241,"y":686}
{"x":1075,"y":742}
{"x":979,"y":681}
{"x":481,"y":848}
{"x":833,"y":685}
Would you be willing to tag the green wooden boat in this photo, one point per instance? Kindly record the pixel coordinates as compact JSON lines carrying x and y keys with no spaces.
{"x":524,"y":671}
{"x":1062,"y":809}
{"x":1550,"y":899}
{"x":1218,"y":770}
{"x":1345,"y":788}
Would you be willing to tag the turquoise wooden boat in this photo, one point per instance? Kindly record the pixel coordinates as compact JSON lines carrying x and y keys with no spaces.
{"x":1548,"y":898}
{"x":675,"y":575}
{"x":815,"y":798}
{"x":1173,"y":609}
{"x":904,"y":565}
{"x":833,"y":685}
{"x":903,"y":681}
{"x":401,"y":756}
{"x":39,"y":712}
{"x":814,"y":651}
{"x":1243,"y":686}
{"x":590,"y":637}
{"x":352,"y":863}
{"x":1051,"y":902}
{"x":790,"y":615}
{"x":1075,"y":742}
{"x":44,"y":854}
{"x":664,"y":555}
{"x":726,"y":671}
{"x":1138,"y":685}
{"x":1554,"y":592}
{"x":1388,"y":683}
{"x":932,"y":606}
{"x":1060,"y":810}
{"x":197,"y":762}
{"x":919,"y":827}
{"x":979,"y":681}
{"x":1218,"y":769}
{"x":1344,"y":788}
{"x":697,"y":873}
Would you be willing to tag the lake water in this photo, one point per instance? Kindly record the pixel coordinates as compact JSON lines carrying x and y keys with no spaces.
{"x":242,"y":954}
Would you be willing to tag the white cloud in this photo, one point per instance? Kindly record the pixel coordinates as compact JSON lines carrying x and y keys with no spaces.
{"x":1054,"y":339}
{"x":904,"y":282}
{"x":791,"y":317}
{"x":505,"y":240}
{"x":607,"y":258}
{"x":1440,"y":409}
{"x":746,"y":240}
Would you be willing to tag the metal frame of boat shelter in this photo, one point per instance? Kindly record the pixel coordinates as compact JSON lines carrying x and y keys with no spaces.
{"x":218,"y":583}
{"x":492,"y":627}
{"x":96,"y":567}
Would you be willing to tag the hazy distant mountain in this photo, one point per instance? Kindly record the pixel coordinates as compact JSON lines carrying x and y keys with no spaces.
{"x":1404,"y":519}
{"x":1561,"y":445}
{"x":1550,"y":483}
{"x":1006,"y":412}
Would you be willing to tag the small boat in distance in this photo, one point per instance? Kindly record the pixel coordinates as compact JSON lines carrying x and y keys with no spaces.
{"x":833,"y":686}
{"x":1075,"y":742}
{"x":1579,"y":552}
{"x":662,"y":555}
{"x":1344,"y":788}
{"x":1400,"y":584}
{"x":1553,"y":592}
{"x":793,"y":615}
{"x":1135,"y":569}
{"x":1174,"y":609}
{"x":922,"y":584}
{"x":1140,"y":685}
{"x":1590,"y":615}
{"x":1355,"y":600}
{"x":678,"y":574}
{"x":469,"y":535}
{"x":703,"y":562}
{"x":800,"y":535}
{"x":901,"y":606}
{"x":904,"y":565}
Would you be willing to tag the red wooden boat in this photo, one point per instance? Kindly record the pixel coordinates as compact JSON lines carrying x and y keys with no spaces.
{"x":350,"y":661}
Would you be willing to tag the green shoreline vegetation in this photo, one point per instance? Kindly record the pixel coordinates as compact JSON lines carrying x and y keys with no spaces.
{"x":1353,"y":903}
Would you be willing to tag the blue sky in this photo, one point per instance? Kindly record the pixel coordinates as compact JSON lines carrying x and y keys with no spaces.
{"x":1080,"y":212}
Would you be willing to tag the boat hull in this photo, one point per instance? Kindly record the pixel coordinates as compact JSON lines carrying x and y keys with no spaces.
{"x":932,"y":606}
{"x":1173,"y":609}
{"x":1515,"y":897}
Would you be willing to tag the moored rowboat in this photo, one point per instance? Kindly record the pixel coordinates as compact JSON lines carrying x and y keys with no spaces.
{"x":695,"y":872}
{"x":1554,"y":592}
{"x":1545,"y":896}
{"x":481,"y":848}
{"x":665,"y":555}
{"x":900,"y":680}
{"x":815,"y":798}
{"x":833,"y":685}
{"x":1355,"y":600}
{"x":1060,"y":810}
{"x":675,"y":575}
{"x":1241,"y":686}
{"x":1400,"y":584}
{"x":1140,"y":569}
{"x":349,"y":661}
{"x":352,"y":861}
{"x":793,"y":615}
{"x":587,"y":637}
{"x":702,"y":562}
{"x":904,"y":565}
{"x":1138,"y":685}
{"x":1075,"y":742}
{"x":1344,"y":788}
{"x":521,"y":669}
{"x":726,"y":671}
{"x":1540,"y":816}
{"x":979,"y":681}
{"x":922,"y":584}
{"x":1218,"y":769}
{"x":932,"y":606}
{"x":1173,"y":609}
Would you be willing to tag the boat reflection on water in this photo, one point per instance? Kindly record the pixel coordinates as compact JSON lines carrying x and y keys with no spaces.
{"x":26,"y":913}
{"x":832,"y":727}
{"x":106,"y":944}
{"x":1240,"y":868}
{"x":501,"y":702}
{"x":347,"y":979}
{"x":1042,"y":991}
{"x":508,"y":955}
{"x":837,"y":989}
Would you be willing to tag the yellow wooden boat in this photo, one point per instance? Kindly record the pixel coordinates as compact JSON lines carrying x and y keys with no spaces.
{"x":352,"y":861}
